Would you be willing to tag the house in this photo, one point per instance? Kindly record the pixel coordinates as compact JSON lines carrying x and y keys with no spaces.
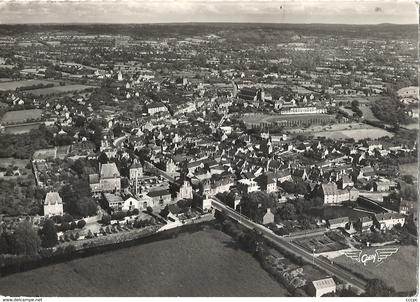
{"x":217,"y":185}
{"x":340,"y":222}
{"x":382,"y":186}
{"x":268,"y":217}
{"x":115,"y":201}
{"x":267,"y":182}
{"x":366,"y":173}
{"x":333,"y":195}
{"x":364,"y":224}
{"x":283,"y":175}
{"x":108,"y":180}
{"x":321,"y":287}
{"x":130,"y":204}
{"x":136,"y":170}
{"x":53,"y":204}
{"x":206,"y":204}
{"x":247,"y":186}
{"x":387,"y":221}
{"x":345,"y":182}
{"x":251,"y":94}
{"x":156,"y":107}
{"x":185,"y":191}
{"x":161,"y":197}
{"x":407,"y":207}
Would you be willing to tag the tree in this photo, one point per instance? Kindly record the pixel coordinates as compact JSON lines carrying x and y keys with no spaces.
{"x":149,"y":209}
{"x":288,"y":212}
{"x":49,"y":234}
{"x":378,"y":288}
{"x":73,"y":225}
{"x":81,"y":224}
{"x":7,"y":243}
{"x":164,"y":212}
{"x":135,"y":212}
{"x":408,"y":179}
{"x":103,"y":158}
{"x":27,"y":239}
{"x":67,"y":218}
{"x":106,"y":219}
{"x":124,"y":183}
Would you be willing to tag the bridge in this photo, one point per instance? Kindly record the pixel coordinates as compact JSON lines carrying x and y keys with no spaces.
{"x":282,"y":243}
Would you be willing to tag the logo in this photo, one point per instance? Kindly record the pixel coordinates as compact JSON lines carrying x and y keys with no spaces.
{"x":378,"y":257}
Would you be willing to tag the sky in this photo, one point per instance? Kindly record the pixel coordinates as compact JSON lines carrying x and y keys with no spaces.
{"x":171,"y":11}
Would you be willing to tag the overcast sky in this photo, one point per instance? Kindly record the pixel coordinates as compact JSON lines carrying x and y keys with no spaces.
{"x":164,"y":11}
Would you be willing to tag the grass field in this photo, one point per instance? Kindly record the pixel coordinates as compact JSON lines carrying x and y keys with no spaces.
{"x":356,"y":134}
{"x":203,"y":263}
{"x":58,"y":89}
{"x":399,"y":270}
{"x":21,"y":116}
{"x":367,"y":113}
{"x":9,"y":161}
{"x":12,"y":85}
{"x":412,"y":126}
{"x":410,"y":169}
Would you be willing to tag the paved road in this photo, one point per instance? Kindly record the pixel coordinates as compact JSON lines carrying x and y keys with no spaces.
{"x":322,"y":263}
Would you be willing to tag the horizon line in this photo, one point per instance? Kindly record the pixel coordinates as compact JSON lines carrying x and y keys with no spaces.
{"x":204,"y":22}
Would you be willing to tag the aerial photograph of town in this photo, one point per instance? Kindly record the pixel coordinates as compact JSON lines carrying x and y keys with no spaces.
{"x":209,"y":148}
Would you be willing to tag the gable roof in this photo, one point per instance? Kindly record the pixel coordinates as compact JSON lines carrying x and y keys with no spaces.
{"x":109,"y":171}
{"x":324,"y":283}
{"x":338,"y":220}
{"x":52,"y":198}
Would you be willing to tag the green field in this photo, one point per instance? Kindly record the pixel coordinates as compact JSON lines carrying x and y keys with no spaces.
{"x":12,"y":85}
{"x":399,"y":270}
{"x":203,"y":263}
{"x":58,"y":89}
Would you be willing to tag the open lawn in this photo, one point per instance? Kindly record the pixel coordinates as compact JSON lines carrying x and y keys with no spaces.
{"x":12,"y":85}
{"x":398,"y":270}
{"x":203,"y":263}
{"x":58,"y":89}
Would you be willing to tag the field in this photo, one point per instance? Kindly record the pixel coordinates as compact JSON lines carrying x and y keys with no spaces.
{"x":399,"y":270}
{"x":203,"y":263}
{"x":412,"y":126}
{"x":58,"y":89}
{"x":19,"y":129}
{"x":343,"y":131}
{"x":20,"y":163}
{"x":410,"y":169}
{"x":367,"y":113}
{"x":21,"y":116}
{"x":356,"y":134}
{"x":12,"y":85}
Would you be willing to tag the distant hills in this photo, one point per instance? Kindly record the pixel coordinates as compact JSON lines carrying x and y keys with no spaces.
{"x":378,"y":31}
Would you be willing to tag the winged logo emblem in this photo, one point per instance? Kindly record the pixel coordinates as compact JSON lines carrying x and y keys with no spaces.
{"x":378,"y":257}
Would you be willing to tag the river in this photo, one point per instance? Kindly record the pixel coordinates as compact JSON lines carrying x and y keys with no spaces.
{"x":197,"y":263}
